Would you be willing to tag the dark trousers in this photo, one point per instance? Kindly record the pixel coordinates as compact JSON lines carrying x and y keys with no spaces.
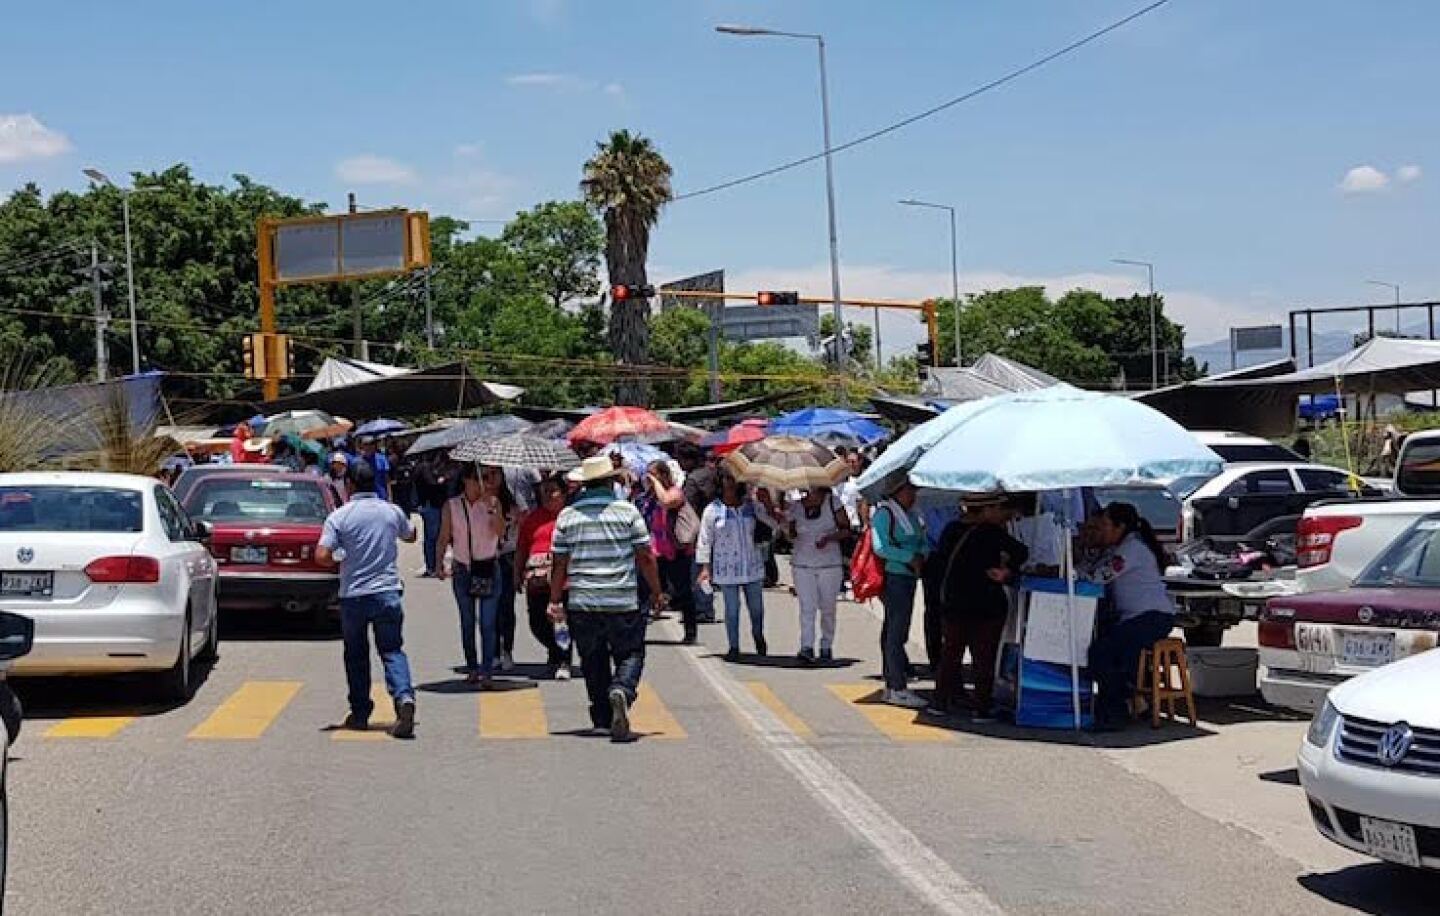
{"x":675,"y":579}
{"x":1115,"y":655}
{"x":505,"y":621}
{"x":537,"y":606}
{"x":898,"y":599}
{"x":981,"y":634}
{"x":934,"y":624}
{"x":612,"y":654}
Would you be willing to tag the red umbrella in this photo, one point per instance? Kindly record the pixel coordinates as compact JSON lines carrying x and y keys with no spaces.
{"x":615,"y":423}
{"x":742,"y":433}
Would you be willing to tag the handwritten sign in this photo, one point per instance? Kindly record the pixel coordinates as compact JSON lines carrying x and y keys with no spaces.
{"x":1047,"y":628}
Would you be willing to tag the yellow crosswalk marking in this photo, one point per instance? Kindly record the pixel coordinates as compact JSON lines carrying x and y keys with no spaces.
{"x":248,"y":711}
{"x":650,"y":719}
{"x":513,"y":714}
{"x":88,"y":727}
{"x":381,"y":720}
{"x":894,"y":722}
{"x":770,"y":701}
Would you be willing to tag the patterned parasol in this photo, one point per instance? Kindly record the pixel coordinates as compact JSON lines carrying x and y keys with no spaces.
{"x":786,"y":463}
{"x":520,"y":450}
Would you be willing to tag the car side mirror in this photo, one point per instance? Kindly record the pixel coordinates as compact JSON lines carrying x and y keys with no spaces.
{"x":17,"y":635}
{"x":201,"y":531}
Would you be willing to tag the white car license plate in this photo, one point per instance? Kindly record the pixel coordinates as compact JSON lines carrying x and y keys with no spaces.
{"x":27,"y":584}
{"x":1366,"y":648}
{"x":250,"y":556}
{"x":1390,"y":841}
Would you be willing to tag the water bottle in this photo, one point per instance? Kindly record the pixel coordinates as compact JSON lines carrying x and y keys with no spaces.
{"x":562,"y":636}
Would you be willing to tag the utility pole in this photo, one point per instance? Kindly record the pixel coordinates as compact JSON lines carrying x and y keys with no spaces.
{"x":429,"y":311}
{"x":357,"y":330}
{"x":102,"y":317}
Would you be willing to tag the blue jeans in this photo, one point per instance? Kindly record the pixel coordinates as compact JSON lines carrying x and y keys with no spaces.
{"x":754,"y":593}
{"x":898,"y":598}
{"x":384,"y":612}
{"x":484,"y":611}
{"x":704,"y":604}
{"x":430,"y":516}
{"x":1115,"y":655}
{"x":612,"y":654}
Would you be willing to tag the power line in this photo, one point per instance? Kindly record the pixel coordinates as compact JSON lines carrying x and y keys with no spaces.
{"x":929,"y":112}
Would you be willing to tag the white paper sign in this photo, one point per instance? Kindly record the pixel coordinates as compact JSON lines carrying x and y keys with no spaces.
{"x":1047,"y":628}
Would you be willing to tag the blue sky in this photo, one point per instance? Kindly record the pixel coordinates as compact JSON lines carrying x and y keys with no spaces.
{"x":1213,"y":137}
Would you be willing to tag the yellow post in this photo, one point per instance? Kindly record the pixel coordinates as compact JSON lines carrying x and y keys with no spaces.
{"x":265,"y":254}
{"x":930,"y":326}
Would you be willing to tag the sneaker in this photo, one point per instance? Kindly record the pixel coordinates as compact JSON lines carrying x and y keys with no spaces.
{"x":733,"y":655}
{"x":826,"y":655}
{"x":562,"y":673}
{"x":761,"y":648}
{"x":904,"y":699}
{"x":936,"y":712}
{"x":404,"y":718}
{"x":507,"y":662}
{"x":355,"y":723}
{"x":472,"y":677}
{"x":620,"y":715}
{"x":805,"y":656}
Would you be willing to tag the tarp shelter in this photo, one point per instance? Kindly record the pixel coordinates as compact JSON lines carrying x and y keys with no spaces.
{"x":337,"y":372}
{"x":407,"y":393}
{"x":141,"y":394}
{"x":1381,"y":365}
{"x":987,"y":376}
{"x":1245,"y":400}
{"x":716,"y":411}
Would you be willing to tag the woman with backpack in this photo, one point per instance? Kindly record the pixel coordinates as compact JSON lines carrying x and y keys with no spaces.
{"x":897,"y":536}
{"x":818,"y":526}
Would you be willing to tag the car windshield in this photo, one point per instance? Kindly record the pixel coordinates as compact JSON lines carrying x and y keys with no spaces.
{"x":259,"y":500}
{"x":1413,"y":560}
{"x":1419,"y":473}
{"x":1156,"y":505}
{"x":1235,"y":452}
{"x":107,"y":510}
{"x":1182,"y":487}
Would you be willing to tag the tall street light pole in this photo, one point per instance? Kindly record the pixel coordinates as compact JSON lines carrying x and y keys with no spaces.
{"x":753,"y":32}
{"x":1396,"y":288}
{"x":100,"y":177}
{"x":954,"y":267}
{"x":1154,"y":335}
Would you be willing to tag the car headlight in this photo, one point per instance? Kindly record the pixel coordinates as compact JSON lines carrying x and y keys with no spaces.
{"x":1322,"y":725}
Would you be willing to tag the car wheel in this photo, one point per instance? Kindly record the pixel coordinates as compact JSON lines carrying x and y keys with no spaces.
{"x":1205,"y":635}
{"x":10,"y":711}
{"x":175,"y":685}
{"x":211,"y":650}
{"x":4,"y":834}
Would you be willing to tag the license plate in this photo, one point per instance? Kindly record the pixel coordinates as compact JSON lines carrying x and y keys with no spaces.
{"x":1390,"y":841}
{"x":27,"y":584}
{"x":1311,"y":639}
{"x":1366,"y":649}
{"x":250,"y":556}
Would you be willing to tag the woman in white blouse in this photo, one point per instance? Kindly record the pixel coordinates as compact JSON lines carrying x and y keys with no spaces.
{"x":818,"y":524}
{"x":730,"y":559}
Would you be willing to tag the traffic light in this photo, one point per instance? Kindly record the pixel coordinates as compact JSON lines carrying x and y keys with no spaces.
{"x":253,"y":355}
{"x":777,"y":297}
{"x":924,"y":356}
{"x":621,"y":292}
{"x":284,"y":355}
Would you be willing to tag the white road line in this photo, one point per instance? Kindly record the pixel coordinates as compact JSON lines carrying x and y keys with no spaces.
{"x":903,"y":853}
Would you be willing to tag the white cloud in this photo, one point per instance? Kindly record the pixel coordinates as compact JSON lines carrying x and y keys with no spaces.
{"x":1364,"y":179}
{"x":1408,"y":173}
{"x":614,"y":90}
{"x":561,"y":81}
{"x":22,"y":137}
{"x":1206,"y":318}
{"x":474,"y":192}
{"x":368,"y":169}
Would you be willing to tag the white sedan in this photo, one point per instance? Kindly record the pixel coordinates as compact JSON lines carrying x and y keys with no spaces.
{"x":1370,"y":763}
{"x":115,"y":575}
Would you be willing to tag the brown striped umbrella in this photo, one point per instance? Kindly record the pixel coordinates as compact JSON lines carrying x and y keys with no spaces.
{"x":786,"y":463}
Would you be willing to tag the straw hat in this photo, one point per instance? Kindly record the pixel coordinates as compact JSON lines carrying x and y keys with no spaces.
{"x":596,"y":467}
{"x":976,"y":501}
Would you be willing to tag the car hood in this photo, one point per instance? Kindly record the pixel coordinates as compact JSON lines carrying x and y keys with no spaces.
{"x":1389,"y":607}
{"x":1404,"y":691}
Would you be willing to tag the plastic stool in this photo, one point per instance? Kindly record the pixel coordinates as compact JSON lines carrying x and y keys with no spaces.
{"x":1155,"y":680}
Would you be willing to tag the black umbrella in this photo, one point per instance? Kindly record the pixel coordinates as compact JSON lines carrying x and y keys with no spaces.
{"x":519,"y":451}
{"x":479,"y":428}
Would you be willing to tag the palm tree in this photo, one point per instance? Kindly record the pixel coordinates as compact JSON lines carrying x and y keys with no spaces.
{"x":628,"y":181}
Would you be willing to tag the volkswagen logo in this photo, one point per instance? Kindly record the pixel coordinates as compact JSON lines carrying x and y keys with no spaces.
{"x":1365,"y":614}
{"x":25,"y":554}
{"x":1394,"y":744}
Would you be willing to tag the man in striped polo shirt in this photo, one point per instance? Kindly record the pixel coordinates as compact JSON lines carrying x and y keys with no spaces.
{"x":599,"y":543}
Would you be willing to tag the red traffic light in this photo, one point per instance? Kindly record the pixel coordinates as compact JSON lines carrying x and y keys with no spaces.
{"x":777,"y":297}
{"x":621,"y":292}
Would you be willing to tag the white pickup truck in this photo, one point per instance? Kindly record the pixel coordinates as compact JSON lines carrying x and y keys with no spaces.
{"x":1336,"y":541}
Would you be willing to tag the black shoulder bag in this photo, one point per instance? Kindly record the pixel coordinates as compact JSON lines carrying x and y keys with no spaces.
{"x":482,"y":572}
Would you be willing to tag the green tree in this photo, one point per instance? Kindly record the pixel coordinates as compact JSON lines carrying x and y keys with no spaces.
{"x":680,"y":339}
{"x":862,"y":340}
{"x":628,"y":181}
{"x":557,"y":245}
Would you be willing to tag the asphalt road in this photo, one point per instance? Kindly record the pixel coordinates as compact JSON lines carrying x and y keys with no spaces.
{"x":757,"y":787}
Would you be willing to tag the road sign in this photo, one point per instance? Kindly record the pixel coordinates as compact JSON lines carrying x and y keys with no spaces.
{"x":350,"y":246}
{"x":1265,"y":337}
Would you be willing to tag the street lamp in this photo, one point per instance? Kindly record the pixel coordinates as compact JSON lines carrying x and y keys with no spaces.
{"x":954,"y":266}
{"x":1396,"y":288}
{"x":752,"y":32}
{"x":100,"y":177}
{"x":1154,"y":335}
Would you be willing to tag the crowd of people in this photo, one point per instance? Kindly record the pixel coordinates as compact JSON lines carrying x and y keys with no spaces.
{"x":595,"y":553}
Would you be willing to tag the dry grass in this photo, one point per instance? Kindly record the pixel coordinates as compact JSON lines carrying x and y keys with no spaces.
{"x":33,"y":435}
{"x":121,"y":446}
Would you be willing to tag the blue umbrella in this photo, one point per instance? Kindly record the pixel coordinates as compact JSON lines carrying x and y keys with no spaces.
{"x":637,"y":455}
{"x":380,"y":427}
{"x":830,"y":425}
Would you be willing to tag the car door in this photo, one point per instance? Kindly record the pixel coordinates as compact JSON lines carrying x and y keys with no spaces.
{"x":189,"y":561}
{"x":1247,"y":502}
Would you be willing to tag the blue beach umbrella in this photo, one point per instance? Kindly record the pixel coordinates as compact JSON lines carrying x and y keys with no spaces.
{"x":830,"y":425}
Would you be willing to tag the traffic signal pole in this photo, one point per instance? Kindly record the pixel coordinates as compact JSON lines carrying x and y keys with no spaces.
{"x":265,"y":235}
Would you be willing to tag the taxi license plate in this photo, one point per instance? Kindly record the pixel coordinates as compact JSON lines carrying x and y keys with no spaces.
{"x":250,"y":556}
{"x":27,"y":584}
{"x":1390,"y":841}
{"x":1366,"y":648}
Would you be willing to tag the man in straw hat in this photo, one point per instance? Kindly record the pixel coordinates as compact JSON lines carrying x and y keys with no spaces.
{"x":600,"y":541}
